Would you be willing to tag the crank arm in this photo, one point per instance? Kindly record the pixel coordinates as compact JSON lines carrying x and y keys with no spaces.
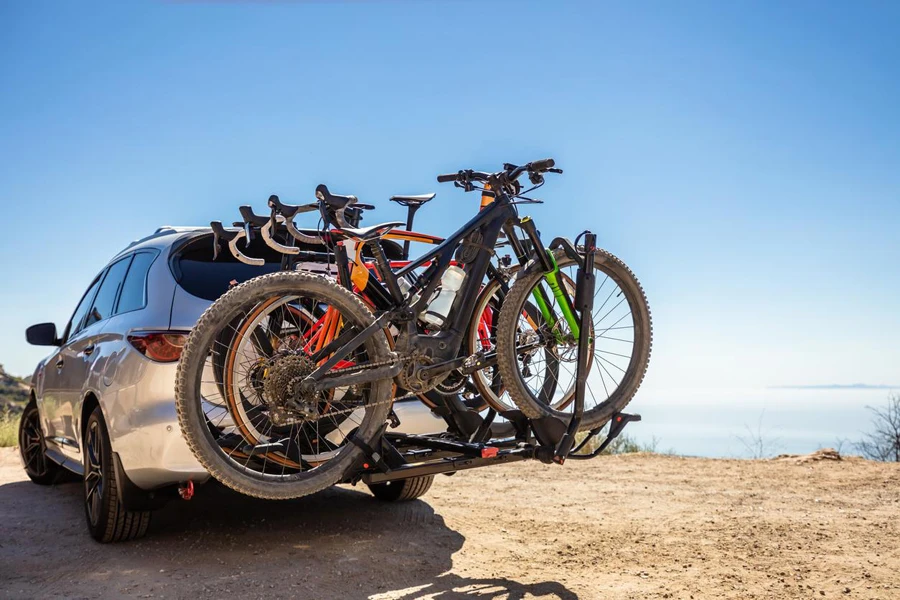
{"x":488,"y":360}
{"x":459,"y":363}
{"x":444,"y":367}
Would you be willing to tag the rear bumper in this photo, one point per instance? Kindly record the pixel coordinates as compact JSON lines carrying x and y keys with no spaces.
{"x":143,"y":426}
{"x":144,"y":430}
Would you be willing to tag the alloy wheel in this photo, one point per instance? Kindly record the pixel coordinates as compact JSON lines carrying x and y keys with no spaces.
{"x":31,"y":444}
{"x":93,"y":472}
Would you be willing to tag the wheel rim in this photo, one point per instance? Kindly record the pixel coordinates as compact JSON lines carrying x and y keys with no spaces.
{"x":482,"y":338}
{"x":235,"y":413}
{"x":31,"y":444}
{"x":614,"y":347}
{"x":93,"y":472}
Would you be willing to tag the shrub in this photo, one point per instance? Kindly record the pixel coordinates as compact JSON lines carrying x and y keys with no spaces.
{"x":883,"y":443}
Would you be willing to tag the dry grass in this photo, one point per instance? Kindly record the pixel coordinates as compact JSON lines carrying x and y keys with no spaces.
{"x":9,"y":429}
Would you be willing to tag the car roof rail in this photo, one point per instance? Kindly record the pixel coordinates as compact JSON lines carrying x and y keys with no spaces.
{"x":164,"y":230}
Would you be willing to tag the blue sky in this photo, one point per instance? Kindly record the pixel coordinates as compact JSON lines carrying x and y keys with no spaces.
{"x":742,"y":158}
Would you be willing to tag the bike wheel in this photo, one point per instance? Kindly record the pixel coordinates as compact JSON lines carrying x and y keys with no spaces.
{"x":620,"y":349}
{"x":482,"y":337}
{"x":235,"y":386}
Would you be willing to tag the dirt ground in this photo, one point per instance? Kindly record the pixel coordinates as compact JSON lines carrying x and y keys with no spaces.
{"x":631,"y":526}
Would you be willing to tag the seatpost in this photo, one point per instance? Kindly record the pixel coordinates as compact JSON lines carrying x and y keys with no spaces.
{"x":342,"y":260}
{"x":410,"y":216}
{"x":384,"y":269}
{"x":584,"y":304}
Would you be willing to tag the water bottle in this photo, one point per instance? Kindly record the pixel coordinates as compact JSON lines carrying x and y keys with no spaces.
{"x":439,"y":308}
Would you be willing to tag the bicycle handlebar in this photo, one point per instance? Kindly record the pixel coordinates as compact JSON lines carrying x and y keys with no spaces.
{"x":231,"y":238}
{"x":542,"y":165}
{"x":250,"y":217}
{"x":288,"y":211}
{"x":507,"y":176}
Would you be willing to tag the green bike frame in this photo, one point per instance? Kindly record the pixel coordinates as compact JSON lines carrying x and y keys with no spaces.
{"x":562,"y":299}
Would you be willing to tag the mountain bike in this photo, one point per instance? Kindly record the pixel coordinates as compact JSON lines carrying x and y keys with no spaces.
{"x":323,"y":366}
{"x":330,"y":249}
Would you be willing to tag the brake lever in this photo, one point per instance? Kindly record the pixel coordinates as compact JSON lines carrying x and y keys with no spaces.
{"x":279,"y":209}
{"x":216,"y":242}
{"x":232,"y":237}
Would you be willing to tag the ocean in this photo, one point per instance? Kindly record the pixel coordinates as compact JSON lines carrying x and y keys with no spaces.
{"x":711,"y":422}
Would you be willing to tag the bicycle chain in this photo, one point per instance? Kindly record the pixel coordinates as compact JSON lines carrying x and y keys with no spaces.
{"x":355,"y":368}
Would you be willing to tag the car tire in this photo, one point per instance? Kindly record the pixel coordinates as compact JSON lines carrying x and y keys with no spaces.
{"x":107,"y":519}
{"x":402,"y":490}
{"x":39,"y":467}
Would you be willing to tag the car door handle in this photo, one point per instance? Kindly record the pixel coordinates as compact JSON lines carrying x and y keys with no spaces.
{"x":89,"y":350}
{"x":60,"y":363}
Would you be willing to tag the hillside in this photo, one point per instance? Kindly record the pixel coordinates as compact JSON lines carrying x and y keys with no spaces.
{"x":13,"y":392}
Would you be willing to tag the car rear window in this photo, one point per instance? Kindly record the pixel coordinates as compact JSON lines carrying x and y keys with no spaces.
{"x":196,"y":271}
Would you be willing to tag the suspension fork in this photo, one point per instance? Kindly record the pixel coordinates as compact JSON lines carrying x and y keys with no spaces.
{"x":553,"y":279}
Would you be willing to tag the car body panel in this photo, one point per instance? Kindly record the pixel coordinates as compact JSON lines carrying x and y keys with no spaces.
{"x":66,"y":381}
{"x":186,"y":309}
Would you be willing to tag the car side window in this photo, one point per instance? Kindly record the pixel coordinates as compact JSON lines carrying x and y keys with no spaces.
{"x":108,"y":292}
{"x":75,"y":324}
{"x":134,"y":289}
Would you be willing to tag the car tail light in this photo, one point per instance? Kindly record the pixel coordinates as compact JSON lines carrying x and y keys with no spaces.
{"x":159,"y":345}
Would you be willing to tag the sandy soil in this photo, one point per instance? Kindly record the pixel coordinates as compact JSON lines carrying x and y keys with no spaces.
{"x":633,"y":526}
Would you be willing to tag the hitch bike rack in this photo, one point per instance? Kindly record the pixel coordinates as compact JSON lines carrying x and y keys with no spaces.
{"x":397,"y":456}
{"x":393,"y":456}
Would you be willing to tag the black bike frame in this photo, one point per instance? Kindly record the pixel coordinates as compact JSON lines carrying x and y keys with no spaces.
{"x":490,"y":221}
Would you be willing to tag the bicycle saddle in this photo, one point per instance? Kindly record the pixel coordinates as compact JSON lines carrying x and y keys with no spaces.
{"x":372,"y":232}
{"x":412,"y":200}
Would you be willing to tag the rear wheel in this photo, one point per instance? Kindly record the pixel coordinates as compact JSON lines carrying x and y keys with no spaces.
{"x":33,"y":449}
{"x":620,"y":345}
{"x":237,"y":388}
{"x":107,"y":519}
{"x":404,"y":489}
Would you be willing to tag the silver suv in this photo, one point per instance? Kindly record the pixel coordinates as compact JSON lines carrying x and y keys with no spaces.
{"x":102,"y":403}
